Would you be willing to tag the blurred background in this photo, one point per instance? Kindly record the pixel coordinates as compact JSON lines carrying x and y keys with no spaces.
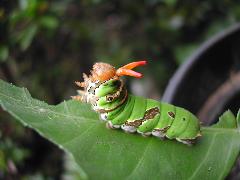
{"x":46,"y":45}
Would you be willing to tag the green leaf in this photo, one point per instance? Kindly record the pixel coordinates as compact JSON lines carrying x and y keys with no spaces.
{"x":2,"y":161}
{"x":182,"y":52}
{"x":49,"y":22}
{"x":170,"y":2}
{"x":27,"y":35}
{"x":3,"y":53}
{"x":227,"y":120}
{"x":113,"y":154}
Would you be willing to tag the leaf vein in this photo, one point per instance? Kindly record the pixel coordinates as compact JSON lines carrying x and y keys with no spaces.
{"x":140,"y":161}
{"x":205,"y":158}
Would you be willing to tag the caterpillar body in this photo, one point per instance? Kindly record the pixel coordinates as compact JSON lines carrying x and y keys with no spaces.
{"x":106,"y":92}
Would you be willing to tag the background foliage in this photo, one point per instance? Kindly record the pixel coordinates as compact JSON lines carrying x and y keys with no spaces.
{"x":46,"y":45}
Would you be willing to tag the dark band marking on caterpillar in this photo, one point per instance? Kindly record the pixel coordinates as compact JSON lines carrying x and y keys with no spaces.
{"x":108,"y":95}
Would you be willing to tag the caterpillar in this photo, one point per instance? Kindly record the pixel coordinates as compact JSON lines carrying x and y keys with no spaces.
{"x":106,"y":92}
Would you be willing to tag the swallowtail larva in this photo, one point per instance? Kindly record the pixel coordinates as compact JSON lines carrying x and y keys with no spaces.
{"x":106,"y":92}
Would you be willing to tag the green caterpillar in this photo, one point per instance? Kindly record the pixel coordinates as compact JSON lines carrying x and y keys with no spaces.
{"x":107,"y":94}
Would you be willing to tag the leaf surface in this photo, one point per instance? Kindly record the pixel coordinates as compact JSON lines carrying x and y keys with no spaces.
{"x":113,"y":154}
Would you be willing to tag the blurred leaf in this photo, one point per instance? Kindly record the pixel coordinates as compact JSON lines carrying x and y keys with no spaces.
{"x":183,"y":52}
{"x":112,"y":154}
{"x":31,"y":7}
{"x":72,"y":170}
{"x":36,"y":176}
{"x":2,"y":14}
{"x":19,"y":154}
{"x":49,"y":22}
{"x":23,"y":4}
{"x":217,"y":27}
{"x":12,"y":151}
{"x":3,"y":53}
{"x":170,"y":2}
{"x":2,"y":161}
{"x":26,"y":36}
{"x":15,"y":17}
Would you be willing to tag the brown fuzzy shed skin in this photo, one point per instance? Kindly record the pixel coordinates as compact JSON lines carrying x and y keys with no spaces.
{"x":102,"y":72}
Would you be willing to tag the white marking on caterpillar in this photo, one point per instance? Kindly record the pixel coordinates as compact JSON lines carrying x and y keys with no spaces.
{"x":188,"y":142}
{"x":110,"y":125}
{"x":158,"y":134}
{"x":92,"y":84}
{"x":144,"y":134}
{"x":130,"y":129}
{"x":103,"y":116}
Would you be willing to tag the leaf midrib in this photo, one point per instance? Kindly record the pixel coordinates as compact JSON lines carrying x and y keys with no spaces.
{"x":36,"y":108}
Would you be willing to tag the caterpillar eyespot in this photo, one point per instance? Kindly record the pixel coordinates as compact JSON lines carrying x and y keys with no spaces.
{"x":109,"y":99}
{"x":106,"y":92}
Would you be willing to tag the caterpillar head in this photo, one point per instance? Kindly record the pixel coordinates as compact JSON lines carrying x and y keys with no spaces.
{"x":105,"y":79}
{"x":102,"y":72}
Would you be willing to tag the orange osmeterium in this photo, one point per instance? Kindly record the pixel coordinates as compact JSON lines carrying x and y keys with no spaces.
{"x":127,"y":69}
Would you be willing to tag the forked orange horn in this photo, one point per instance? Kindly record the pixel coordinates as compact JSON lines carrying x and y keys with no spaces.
{"x":127,"y":69}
